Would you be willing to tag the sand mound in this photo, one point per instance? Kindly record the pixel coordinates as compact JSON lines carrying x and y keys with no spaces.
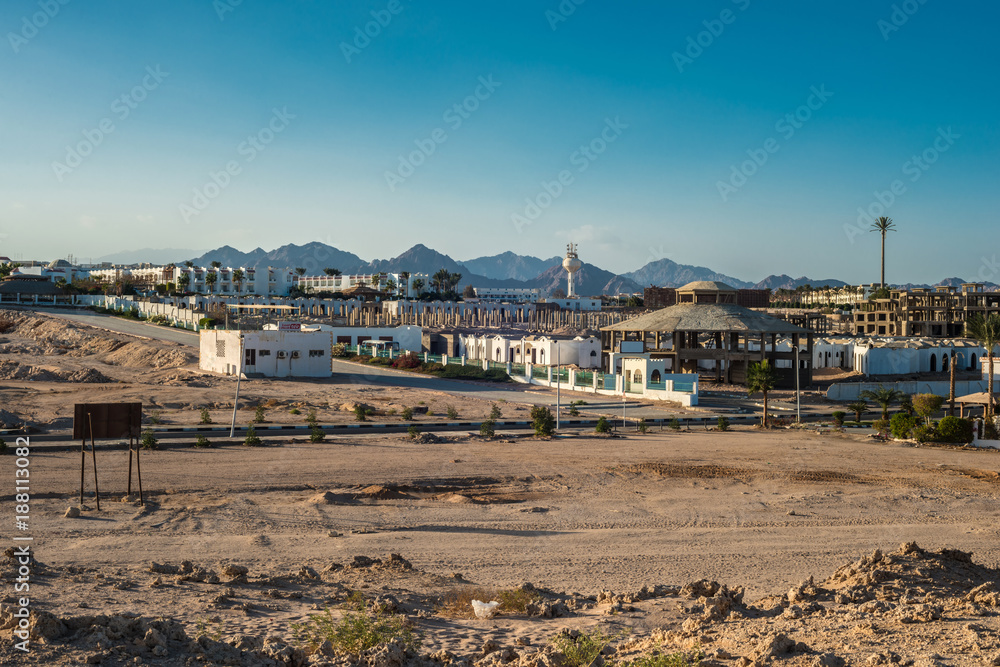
{"x":331,"y":498}
{"x":379,"y":492}
{"x":457,"y":498}
{"x":11,"y":370}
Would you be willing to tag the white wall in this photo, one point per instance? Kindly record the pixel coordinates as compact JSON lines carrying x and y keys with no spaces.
{"x":276,"y":353}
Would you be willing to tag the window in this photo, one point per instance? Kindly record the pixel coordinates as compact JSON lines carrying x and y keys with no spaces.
{"x":316,"y":353}
{"x":637,"y":376}
{"x":220,"y":348}
{"x":264,"y":353}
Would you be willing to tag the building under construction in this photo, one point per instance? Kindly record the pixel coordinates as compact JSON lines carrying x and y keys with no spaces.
{"x":939,"y":312}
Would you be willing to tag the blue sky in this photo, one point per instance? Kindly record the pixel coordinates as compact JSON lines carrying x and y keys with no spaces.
{"x":195,"y":124}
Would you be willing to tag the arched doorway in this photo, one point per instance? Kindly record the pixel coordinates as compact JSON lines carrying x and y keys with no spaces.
{"x":972,"y":362}
{"x":933,"y":363}
{"x":944,"y":361}
{"x":654,"y":377}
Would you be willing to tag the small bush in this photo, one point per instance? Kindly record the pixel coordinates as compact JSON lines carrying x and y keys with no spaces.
{"x":360,"y":413}
{"x":542,"y":420}
{"x":583,"y":649}
{"x":206,"y":322}
{"x":641,"y":426}
{"x":339,"y":350}
{"x":989,"y":431}
{"x":413,"y":431}
{"x":923,"y":433}
{"x":407,"y":414}
{"x":457,"y":603}
{"x":311,"y":417}
{"x":487,"y":429}
{"x":295,"y":411}
{"x":316,"y":434}
{"x":953,"y":429}
{"x":408,"y":361}
{"x":881,"y":425}
{"x":206,"y":418}
{"x":155,"y":417}
{"x":252,"y":439}
{"x":679,"y":659}
{"x":357,"y":630}
{"x":674,"y":424}
{"x":603,"y":425}
{"x":901,"y":425}
{"x":838,"y":418}
{"x":579,"y":402}
{"x":723,"y":423}
{"x":148,"y":440}
{"x":573,"y":412}
{"x":258,"y":415}
{"x":202,"y":442}
{"x":452,"y":412}
{"x":926,"y":405}
{"x":495,"y":413}
{"x":429,"y":413}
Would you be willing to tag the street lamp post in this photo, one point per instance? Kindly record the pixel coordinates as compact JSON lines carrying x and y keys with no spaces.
{"x":798,"y":408}
{"x":236,"y":403}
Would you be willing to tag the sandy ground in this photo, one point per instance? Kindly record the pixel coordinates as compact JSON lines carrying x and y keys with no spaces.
{"x":609,"y":533}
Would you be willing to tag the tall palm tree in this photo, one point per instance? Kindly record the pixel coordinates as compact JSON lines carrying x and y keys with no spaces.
{"x":883,"y":398}
{"x":210,"y":279}
{"x":238,"y":279}
{"x":761,"y":377}
{"x":330,"y":271}
{"x":883,"y":225}
{"x":183,"y":281}
{"x":404,"y":282}
{"x":986,"y":331}
{"x":418,"y":286}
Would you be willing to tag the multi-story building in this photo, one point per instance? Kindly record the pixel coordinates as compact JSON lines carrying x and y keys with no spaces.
{"x":392,"y":283}
{"x":228,"y":280}
{"x":932,"y":312}
{"x":663,"y":297}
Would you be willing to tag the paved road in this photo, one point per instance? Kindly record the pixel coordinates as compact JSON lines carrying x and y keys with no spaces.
{"x":125,"y":326}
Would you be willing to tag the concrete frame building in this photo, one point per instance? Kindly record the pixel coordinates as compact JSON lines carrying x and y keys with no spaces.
{"x":932,"y":312}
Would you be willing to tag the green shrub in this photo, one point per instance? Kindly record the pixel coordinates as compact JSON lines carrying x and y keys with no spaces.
{"x":339,"y":350}
{"x":295,"y":411}
{"x":989,"y":431}
{"x":148,"y":440}
{"x":603,"y":425}
{"x":901,"y":425}
{"x":573,"y":412}
{"x":206,"y":322}
{"x":202,"y":442}
{"x":155,"y":417}
{"x":258,"y":415}
{"x":674,"y":424}
{"x":429,"y":413}
{"x":542,"y":420}
{"x":311,"y":417}
{"x":881,"y":425}
{"x":413,"y":431}
{"x":495,"y":413}
{"x":838,"y":418}
{"x":926,"y":405}
{"x":206,"y":418}
{"x":923,"y":433}
{"x":252,"y":440}
{"x":407,"y":414}
{"x":360,"y":413}
{"x":452,"y":412}
{"x":679,"y":659}
{"x":487,"y":429}
{"x":954,"y":429}
{"x":641,"y":426}
{"x":357,"y":630}
{"x":316,"y":434}
{"x":723,"y":423}
{"x":582,"y":650}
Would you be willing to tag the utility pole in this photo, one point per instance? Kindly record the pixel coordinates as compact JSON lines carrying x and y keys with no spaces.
{"x":236,"y":403}
{"x":798,"y":403}
{"x":558,"y":382}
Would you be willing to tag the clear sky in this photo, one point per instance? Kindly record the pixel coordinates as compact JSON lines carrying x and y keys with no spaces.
{"x":735,"y":134}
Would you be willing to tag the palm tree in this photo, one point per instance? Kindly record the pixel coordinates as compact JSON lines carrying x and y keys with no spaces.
{"x":331,"y":271}
{"x":859,"y":408}
{"x":183,"y":281}
{"x":404,"y":282}
{"x":300,"y":270}
{"x":418,"y":286}
{"x":761,"y":377}
{"x":883,"y":225}
{"x":210,"y":279}
{"x":986,"y":331}
{"x":883,"y":398}
{"x":390,"y":285}
{"x":238,"y":279}
{"x":453,"y":280}
{"x":216,"y":265}
{"x":440,"y":279}
{"x":189,"y":264}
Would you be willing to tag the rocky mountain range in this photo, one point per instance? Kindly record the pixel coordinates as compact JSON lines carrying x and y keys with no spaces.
{"x":506,"y":269}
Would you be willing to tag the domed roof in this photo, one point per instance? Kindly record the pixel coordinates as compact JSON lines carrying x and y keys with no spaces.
{"x":59,"y":264}
{"x":713,"y":285}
